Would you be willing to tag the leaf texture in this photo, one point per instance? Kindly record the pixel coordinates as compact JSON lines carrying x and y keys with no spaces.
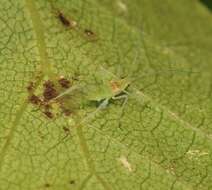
{"x":161,"y":138}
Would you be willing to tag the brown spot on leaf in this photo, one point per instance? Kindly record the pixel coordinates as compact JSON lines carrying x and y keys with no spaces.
{"x":47,"y":185}
{"x":72,"y":182}
{"x":66,"y":111}
{"x":66,"y":129}
{"x":49,"y":91}
{"x":30,"y":87}
{"x":63,"y":19}
{"x":48,"y":114}
{"x":34,"y":99}
{"x":65,"y":83}
{"x":46,"y":102}
{"x":89,"y":32}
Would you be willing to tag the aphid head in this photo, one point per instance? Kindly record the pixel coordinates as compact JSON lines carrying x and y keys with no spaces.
{"x":118,"y":86}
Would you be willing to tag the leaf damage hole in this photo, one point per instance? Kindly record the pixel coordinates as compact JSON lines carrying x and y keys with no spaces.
{"x":126,"y":164}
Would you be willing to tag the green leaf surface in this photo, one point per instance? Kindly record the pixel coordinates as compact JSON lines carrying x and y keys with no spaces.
{"x":161,"y":138}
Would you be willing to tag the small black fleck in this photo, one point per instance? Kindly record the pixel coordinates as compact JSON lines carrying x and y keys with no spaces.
{"x":34,"y":99}
{"x":66,"y":129}
{"x":89,"y":33}
{"x":30,"y":87}
{"x":48,"y":114}
{"x":47,"y":185}
{"x":72,"y":182}
{"x":63,"y":20}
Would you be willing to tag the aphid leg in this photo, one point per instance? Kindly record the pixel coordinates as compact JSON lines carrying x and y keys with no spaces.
{"x":124,"y":96}
{"x":103,"y":105}
{"x":68,"y":91}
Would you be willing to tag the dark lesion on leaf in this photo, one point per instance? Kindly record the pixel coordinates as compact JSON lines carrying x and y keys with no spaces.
{"x":66,"y":129}
{"x":35,"y":99}
{"x":65,"y":21}
{"x":65,"y":83}
{"x":46,"y":101}
{"x":47,"y":185}
{"x":30,"y":87}
{"x":90,"y":35}
{"x":50,"y":91}
{"x":72,"y":182}
{"x":70,"y":23}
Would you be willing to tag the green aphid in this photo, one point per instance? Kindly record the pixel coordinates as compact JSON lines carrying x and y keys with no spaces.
{"x":107,"y":90}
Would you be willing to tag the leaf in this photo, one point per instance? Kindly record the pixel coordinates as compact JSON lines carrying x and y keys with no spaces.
{"x":161,"y":139}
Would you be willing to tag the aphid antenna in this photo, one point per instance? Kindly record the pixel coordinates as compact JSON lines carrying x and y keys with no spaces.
{"x":167,"y":72}
{"x":68,"y":91}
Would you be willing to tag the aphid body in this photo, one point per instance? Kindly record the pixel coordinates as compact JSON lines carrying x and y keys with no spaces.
{"x":113,"y":89}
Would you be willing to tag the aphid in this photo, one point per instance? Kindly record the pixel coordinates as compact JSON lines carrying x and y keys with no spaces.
{"x":114,"y":89}
{"x":35,"y":99}
{"x":49,"y":91}
{"x":109,"y":89}
{"x":65,"y":83}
